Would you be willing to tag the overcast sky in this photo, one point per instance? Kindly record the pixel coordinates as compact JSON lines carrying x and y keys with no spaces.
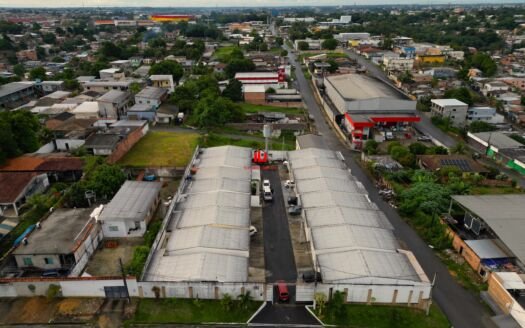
{"x":223,"y":3}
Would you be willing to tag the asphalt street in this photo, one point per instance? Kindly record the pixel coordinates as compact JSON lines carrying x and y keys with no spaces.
{"x":461,"y":307}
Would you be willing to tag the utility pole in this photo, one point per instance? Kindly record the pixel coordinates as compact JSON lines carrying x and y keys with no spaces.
{"x":124,"y":280}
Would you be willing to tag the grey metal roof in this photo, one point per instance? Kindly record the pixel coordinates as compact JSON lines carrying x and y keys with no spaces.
{"x":336,"y":198}
{"x":102,"y":140}
{"x":498,"y":140}
{"x":132,"y":202}
{"x":219,"y":198}
{"x":358,"y":86}
{"x":504,"y":214}
{"x":486,"y":249}
{"x":310,"y":141}
{"x":339,"y":237}
{"x":319,"y":162}
{"x":151,"y":93}
{"x":114,"y":96}
{"x":218,"y":184}
{"x":13,"y":87}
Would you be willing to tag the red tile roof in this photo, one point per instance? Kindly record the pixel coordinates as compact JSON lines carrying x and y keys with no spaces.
{"x":32,"y":163}
{"x":12,"y":184}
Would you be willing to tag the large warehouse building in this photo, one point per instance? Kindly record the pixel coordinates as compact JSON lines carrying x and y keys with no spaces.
{"x":207,"y":238}
{"x":367,"y":103}
{"x":352,"y":243}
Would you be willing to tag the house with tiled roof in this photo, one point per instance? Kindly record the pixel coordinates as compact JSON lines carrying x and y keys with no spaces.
{"x":17,"y":187}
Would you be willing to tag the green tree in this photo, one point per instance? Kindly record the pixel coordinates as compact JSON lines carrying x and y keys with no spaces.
{"x":239,"y":65}
{"x":25,"y":127}
{"x":49,"y":38}
{"x":106,"y":180}
{"x":459,"y":148}
{"x":233,"y":90}
{"x":212,"y":111}
{"x":227,"y":302}
{"x":461,"y":94}
{"x":168,"y":67}
{"x":329,"y":44}
{"x":303,"y":45}
{"x":19,"y":70}
{"x":333,"y":66}
{"x":40,"y":53}
{"x":71,"y":84}
{"x":481,"y":126}
{"x":284,"y":53}
{"x":135,"y":88}
{"x":417,"y":148}
{"x":37,"y":73}
{"x":371,"y":147}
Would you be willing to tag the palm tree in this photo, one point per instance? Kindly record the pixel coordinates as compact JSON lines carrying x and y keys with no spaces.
{"x":459,"y":148}
{"x":227,"y":302}
{"x":244,"y":300}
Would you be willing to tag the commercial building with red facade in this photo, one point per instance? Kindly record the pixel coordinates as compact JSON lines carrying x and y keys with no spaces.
{"x":368,"y":106}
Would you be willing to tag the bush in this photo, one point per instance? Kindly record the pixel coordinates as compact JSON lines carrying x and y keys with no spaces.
{"x":53,"y":291}
{"x":417,"y":148}
{"x":371,"y":147}
{"x":138,"y":261}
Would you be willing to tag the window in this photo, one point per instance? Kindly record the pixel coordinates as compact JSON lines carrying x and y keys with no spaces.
{"x":28,"y":261}
{"x":48,"y":260}
{"x":113,"y":228}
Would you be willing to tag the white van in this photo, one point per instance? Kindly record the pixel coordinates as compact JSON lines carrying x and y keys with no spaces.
{"x":267,"y":194}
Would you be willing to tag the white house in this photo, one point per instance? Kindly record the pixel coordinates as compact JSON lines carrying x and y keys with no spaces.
{"x":151,"y":96}
{"x":453,"y":109}
{"x":129,"y":212}
{"x":398,"y":64}
{"x":163,"y":81}
{"x":484,"y":113}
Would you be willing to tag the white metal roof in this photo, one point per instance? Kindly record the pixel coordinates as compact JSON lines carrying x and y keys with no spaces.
{"x":326,"y":184}
{"x":229,"y":151}
{"x":326,"y":216}
{"x":223,"y":171}
{"x":448,"y":102}
{"x":352,"y":240}
{"x":352,"y":237}
{"x":318,"y":162}
{"x":366,"y":266}
{"x":223,"y":216}
{"x":219,"y":238}
{"x":201,"y":266}
{"x":224,"y":184}
{"x":223,"y":199}
{"x":486,"y":249}
{"x":336,"y":198}
{"x":315,"y":172}
{"x":86,"y":107}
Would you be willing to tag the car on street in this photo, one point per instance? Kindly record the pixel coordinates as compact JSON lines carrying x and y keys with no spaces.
{"x":424,"y":138}
{"x":295,"y":210}
{"x":311,"y":276}
{"x":266,"y":183}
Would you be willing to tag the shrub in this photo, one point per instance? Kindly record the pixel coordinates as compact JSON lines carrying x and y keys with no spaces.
{"x":53,"y":291}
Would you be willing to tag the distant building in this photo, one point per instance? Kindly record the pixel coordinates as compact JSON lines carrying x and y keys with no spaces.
{"x":312,"y":44}
{"x":452,"y":109}
{"x":114,"y":103}
{"x":15,"y":94}
{"x":171,"y":18}
{"x":130,"y":210}
{"x":151,"y":96}
{"x":484,"y":113}
{"x":17,"y":187}
{"x":398,"y":64}
{"x":163,"y":81}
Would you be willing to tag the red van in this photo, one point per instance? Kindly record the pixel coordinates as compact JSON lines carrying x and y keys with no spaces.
{"x":282,"y":290}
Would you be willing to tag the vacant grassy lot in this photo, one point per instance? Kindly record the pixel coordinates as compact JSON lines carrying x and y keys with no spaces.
{"x":190,"y":311}
{"x":168,"y":149}
{"x":250,"y":108}
{"x":223,"y":54}
{"x":215,"y":140}
{"x":361,"y":316}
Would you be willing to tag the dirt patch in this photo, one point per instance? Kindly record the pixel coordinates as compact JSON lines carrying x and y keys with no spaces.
{"x":105,"y":260}
{"x":31,"y":311}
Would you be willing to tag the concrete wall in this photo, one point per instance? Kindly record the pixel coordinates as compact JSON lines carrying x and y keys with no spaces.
{"x":123,"y":227}
{"x":72,"y":143}
{"x":39,"y":261}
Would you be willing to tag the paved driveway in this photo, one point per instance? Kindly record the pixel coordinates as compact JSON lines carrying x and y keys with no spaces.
{"x":278,"y":252}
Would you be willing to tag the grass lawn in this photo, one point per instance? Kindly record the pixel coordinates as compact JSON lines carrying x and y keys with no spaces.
{"x":170,"y":149}
{"x":190,"y":311}
{"x":251,"y":108}
{"x":361,"y":316}
{"x":215,"y":140}
{"x":223,"y":54}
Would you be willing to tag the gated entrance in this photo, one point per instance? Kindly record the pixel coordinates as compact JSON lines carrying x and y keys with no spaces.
{"x":116,"y":292}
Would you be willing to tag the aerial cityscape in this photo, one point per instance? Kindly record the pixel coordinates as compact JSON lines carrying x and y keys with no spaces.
{"x":285,"y":164}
